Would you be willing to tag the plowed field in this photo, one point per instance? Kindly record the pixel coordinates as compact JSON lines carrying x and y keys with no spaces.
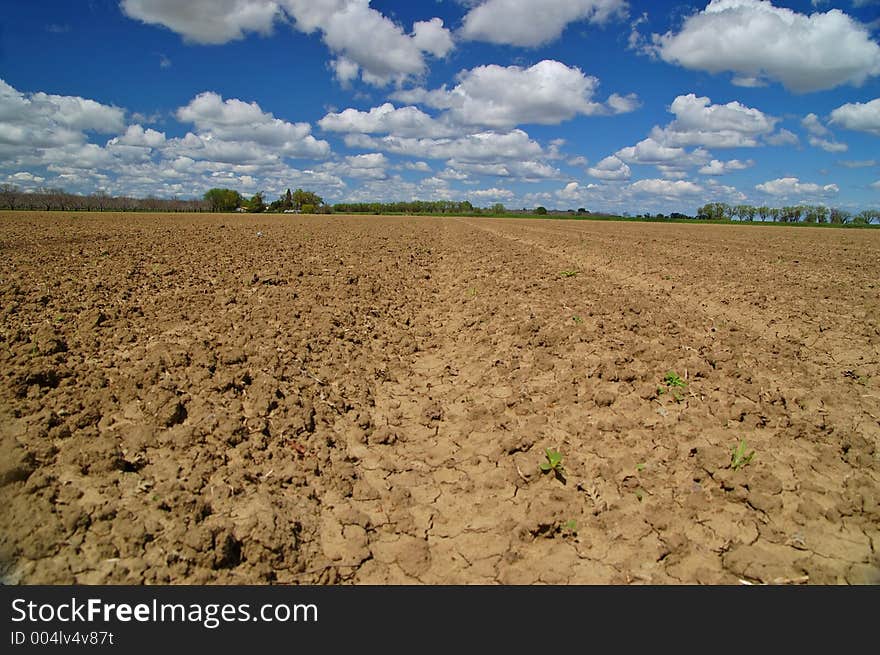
{"x":328,"y":399}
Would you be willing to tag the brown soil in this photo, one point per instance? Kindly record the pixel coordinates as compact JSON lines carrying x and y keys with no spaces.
{"x":239,"y":399}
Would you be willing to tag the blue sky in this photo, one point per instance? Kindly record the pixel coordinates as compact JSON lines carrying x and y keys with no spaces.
{"x":604,"y":104}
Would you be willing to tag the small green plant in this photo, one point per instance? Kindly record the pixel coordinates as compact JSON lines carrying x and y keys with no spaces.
{"x":674,"y":384}
{"x":640,"y":467}
{"x":568,"y":273}
{"x":554,"y":464}
{"x":570,"y":527}
{"x":739,"y":457}
{"x":577,"y":319}
{"x":472,"y":292}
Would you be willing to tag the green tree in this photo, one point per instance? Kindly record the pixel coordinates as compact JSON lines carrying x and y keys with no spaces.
{"x":223,"y":200}
{"x":865,"y":217}
{"x":255,"y":205}
{"x":300,"y":198}
{"x":498,"y":208}
{"x":541,"y":211}
{"x":840,"y":216}
{"x":715,"y":211}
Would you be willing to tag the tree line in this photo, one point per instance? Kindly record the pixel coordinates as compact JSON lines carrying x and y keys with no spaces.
{"x":411,"y":207}
{"x":308,"y":202}
{"x":721,"y":211}
{"x":229,"y":200}
{"x":48,"y":199}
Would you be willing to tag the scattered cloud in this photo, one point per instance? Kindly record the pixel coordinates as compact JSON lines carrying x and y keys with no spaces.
{"x":865,"y":163}
{"x":651,"y":152}
{"x":863,"y":117}
{"x":827,"y":145}
{"x":518,"y":23}
{"x":666,"y":188}
{"x":206,"y":21}
{"x":478,"y":147}
{"x":236,"y":122}
{"x":499,"y":97}
{"x":814,"y":126}
{"x":782,"y":138}
{"x":575,"y":191}
{"x":137,"y":136}
{"x":363,"y":41}
{"x":491,"y":194}
{"x":610,"y":168}
{"x":757,"y":41}
{"x":700,"y":123}
{"x":792,"y":186}
{"x":367,"y":166}
{"x":30,"y":123}
{"x":716,"y":167}
{"x":421,"y":166}
{"x":387,"y":119}
{"x":820,"y":136}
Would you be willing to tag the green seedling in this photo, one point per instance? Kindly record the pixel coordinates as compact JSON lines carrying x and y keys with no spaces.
{"x":577,"y":319}
{"x":739,"y":457}
{"x":640,"y":467}
{"x":472,"y":292}
{"x":554,"y":464}
{"x":673,"y":384}
{"x":567,"y":273}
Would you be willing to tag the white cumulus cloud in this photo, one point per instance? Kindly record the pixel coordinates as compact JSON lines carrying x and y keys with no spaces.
{"x":523,"y":23}
{"x":650,"y":151}
{"x":42,"y":120}
{"x":699,"y":122}
{"x":716,"y":167}
{"x":814,"y":126}
{"x":610,"y":168}
{"x":234,"y":121}
{"x":478,"y":147}
{"x":783,"y":138}
{"x":386,"y":119}
{"x":206,"y":21}
{"x":827,"y":145}
{"x":666,"y":188}
{"x":792,"y":186}
{"x":136,"y":135}
{"x":363,"y":40}
{"x":756,"y":40}
{"x":546,"y":93}
{"x":861,"y":116}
